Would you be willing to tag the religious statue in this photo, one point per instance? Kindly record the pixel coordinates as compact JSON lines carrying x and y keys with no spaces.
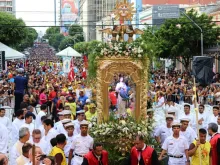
{"x":124,"y":12}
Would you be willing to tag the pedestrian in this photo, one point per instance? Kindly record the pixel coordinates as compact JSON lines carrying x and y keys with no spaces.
{"x":215,"y":143}
{"x":176,"y":147}
{"x":20,"y":85}
{"x":97,"y":156}
{"x":81,"y":145}
{"x":202,"y":145}
{"x":142,"y":154}
{"x":57,"y":151}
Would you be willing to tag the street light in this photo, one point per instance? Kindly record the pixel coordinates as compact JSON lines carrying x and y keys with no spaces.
{"x":197,"y":27}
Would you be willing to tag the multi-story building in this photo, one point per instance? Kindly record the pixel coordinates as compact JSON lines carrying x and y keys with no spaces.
{"x":7,"y":6}
{"x":93,"y":11}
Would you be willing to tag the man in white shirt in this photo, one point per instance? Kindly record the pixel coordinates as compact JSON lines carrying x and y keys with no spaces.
{"x":187,"y":131}
{"x":82,"y":144}
{"x":50,"y":133}
{"x":43,"y":110}
{"x":189,"y":115}
{"x":218,"y":121}
{"x":80,"y":118}
{"x":39,"y":141}
{"x":164,"y":131}
{"x":29,"y":116}
{"x":24,"y":158}
{"x":176,"y":147}
{"x":5,"y":120}
{"x":213,"y":118}
{"x":70,"y":137}
{"x":16,"y":150}
{"x":60,"y":128}
{"x":4,"y":137}
{"x":202,"y":118}
{"x":61,"y":117}
{"x":16,"y":125}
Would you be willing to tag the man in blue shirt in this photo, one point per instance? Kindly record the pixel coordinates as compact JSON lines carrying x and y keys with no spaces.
{"x":82,"y":99}
{"x":20,"y":86}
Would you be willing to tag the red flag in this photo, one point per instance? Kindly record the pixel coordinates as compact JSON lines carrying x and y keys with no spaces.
{"x":85,"y":59}
{"x":71,"y":73}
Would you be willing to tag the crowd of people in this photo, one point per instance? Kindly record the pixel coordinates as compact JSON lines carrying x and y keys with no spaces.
{"x":58,"y":133}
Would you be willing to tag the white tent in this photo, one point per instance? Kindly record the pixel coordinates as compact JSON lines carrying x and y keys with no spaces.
{"x":69,"y":52}
{"x":10,"y":53}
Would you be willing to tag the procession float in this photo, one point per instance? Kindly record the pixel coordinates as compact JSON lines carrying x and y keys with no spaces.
{"x":126,"y":57}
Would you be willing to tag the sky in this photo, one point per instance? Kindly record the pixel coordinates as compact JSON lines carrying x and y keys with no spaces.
{"x":36,"y":13}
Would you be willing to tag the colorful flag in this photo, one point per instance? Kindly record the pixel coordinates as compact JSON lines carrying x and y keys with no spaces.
{"x":71,"y":73}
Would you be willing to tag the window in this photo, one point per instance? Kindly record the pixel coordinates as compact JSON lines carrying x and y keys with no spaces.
{"x":9,"y":8}
{"x":2,"y":9}
{"x":2,"y":3}
{"x":9,"y":3}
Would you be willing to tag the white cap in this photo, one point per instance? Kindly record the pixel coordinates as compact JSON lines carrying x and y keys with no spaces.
{"x":69,"y":125}
{"x":185,"y":119}
{"x":80,"y":111}
{"x":88,"y":101}
{"x":84,"y":122}
{"x":66,"y":112}
{"x":176,"y":124}
{"x":65,"y":121}
{"x":60,"y":113}
{"x":169,"y":116}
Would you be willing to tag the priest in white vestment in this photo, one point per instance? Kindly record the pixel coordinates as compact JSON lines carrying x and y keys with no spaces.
{"x":16,"y":150}
{"x":5,"y":120}
{"x":4,"y":137}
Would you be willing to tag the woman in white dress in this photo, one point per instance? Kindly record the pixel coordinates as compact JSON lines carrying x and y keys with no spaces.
{"x":121,"y":103}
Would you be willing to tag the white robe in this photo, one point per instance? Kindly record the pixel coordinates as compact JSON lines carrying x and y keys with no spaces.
{"x":120,"y":102}
{"x":6,"y":121}
{"x":4,"y":137}
{"x":16,"y":125}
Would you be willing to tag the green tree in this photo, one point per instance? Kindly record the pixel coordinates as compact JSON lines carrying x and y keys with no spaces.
{"x":76,"y":31}
{"x":181,"y":38}
{"x":29,"y":40}
{"x":51,"y":31}
{"x":55,"y":40}
{"x":12,"y":30}
{"x":66,"y":42}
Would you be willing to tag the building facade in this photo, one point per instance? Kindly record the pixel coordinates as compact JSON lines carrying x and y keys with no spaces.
{"x":93,"y":11}
{"x":7,"y":6}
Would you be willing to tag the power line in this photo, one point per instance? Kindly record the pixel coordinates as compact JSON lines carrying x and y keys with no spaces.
{"x":8,"y":25}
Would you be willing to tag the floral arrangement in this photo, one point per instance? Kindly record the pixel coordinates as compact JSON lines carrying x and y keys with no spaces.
{"x":118,"y":135}
{"x":119,"y":49}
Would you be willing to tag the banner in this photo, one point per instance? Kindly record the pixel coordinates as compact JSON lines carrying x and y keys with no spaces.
{"x":66,"y":64}
{"x":69,"y":14}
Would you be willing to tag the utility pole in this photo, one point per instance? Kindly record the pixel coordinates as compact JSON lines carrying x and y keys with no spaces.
{"x":102,"y":33}
{"x":55,"y":12}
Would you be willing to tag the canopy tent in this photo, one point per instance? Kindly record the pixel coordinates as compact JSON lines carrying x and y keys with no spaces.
{"x":69,"y":52}
{"x":10,"y":53}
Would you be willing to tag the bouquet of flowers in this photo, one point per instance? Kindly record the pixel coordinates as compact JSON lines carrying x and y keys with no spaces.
{"x":118,"y":134}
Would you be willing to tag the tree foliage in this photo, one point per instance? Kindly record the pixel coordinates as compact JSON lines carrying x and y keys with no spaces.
{"x":55,"y":40}
{"x":29,"y":40}
{"x":76,"y":31}
{"x":51,"y":31}
{"x":181,"y":38}
{"x":12,"y":30}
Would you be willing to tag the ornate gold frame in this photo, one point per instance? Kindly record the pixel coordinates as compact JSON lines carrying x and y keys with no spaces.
{"x":138,"y":71}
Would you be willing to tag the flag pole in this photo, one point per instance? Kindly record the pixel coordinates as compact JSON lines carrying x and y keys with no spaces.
{"x":196,"y":111}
